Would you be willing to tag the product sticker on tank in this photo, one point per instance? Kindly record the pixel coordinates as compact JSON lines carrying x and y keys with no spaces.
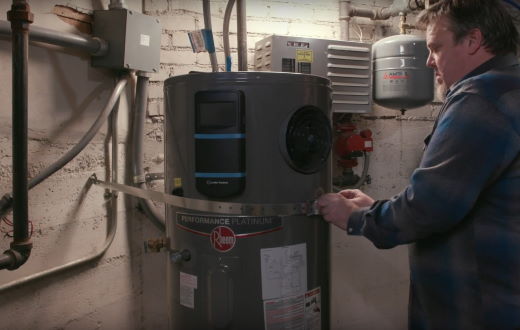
{"x":284,"y":271}
{"x":187,"y":286}
{"x":300,"y":312}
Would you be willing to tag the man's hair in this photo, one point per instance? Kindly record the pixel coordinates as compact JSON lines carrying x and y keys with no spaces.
{"x":489,"y":16}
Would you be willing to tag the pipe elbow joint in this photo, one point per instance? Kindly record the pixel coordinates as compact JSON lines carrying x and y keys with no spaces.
{"x":19,"y":254}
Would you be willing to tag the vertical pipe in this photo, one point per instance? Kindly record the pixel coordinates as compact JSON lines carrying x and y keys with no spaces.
{"x":20,"y":17}
{"x":141,"y":99}
{"x":344,"y":19}
{"x":206,"y":11}
{"x":242,"y":35}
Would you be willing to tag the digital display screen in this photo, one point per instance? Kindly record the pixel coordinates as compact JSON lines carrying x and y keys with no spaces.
{"x":217,"y":114}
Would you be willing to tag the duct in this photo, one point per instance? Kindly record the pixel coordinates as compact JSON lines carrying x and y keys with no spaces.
{"x":91,"y":45}
{"x":206,"y":9}
{"x":397,"y":7}
{"x":227,"y":19}
{"x":141,"y":98}
{"x":242,"y":35}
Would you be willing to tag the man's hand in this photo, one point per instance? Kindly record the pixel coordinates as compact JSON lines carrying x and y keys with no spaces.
{"x":357,"y":197}
{"x":337,"y":208}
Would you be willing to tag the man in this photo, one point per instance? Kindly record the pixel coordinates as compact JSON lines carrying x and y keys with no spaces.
{"x":461,"y":209}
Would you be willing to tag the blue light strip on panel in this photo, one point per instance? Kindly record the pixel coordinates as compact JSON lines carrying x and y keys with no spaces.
{"x":221,"y":136}
{"x":220,"y":175}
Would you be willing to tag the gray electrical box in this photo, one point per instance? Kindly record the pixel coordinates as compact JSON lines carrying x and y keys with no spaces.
{"x":347,"y":64}
{"x":134,"y":40}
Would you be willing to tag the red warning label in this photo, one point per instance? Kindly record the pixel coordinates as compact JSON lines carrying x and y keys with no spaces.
{"x":222,"y":238}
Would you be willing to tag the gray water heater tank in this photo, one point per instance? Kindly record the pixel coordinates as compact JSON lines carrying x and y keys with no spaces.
{"x":401,"y":78}
{"x":249,"y":138}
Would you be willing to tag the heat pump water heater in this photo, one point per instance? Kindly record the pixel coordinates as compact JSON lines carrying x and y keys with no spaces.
{"x":252,"y":138}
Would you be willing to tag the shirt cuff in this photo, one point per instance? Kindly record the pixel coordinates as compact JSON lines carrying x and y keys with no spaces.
{"x":356,"y":222}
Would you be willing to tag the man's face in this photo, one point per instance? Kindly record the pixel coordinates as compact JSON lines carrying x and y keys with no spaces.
{"x":447,"y":58}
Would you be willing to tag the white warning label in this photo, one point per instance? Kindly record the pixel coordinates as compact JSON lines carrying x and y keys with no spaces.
{"x":187,"y":286}
{"x":284,"y":271}
{"x":301,"y":312}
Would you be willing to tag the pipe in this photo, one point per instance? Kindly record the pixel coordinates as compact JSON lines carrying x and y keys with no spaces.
{"x":7,"y":199}
{"x":362,"y":178}
{"x":344,"y":23}
{"x":227,"y":19}
{"x":112,"y":228}
{"x":206,"y":10}
{"x":397,"y":7}
{"x":20,"y":17}
{"x":242,"y":35}
{"x":91,"y":45}
{"x":112,"y":219}
{"x":117,"y":4}
{"x":141,"y":99}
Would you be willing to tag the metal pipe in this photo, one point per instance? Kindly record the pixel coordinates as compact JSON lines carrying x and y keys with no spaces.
{"x":20,"y":17}
{"x":7,"y":199}
{"x":344,"y":23}
{"x":112,"y":227}
{"x":206,"y":10}
{"x":397,"y":7}
{"x":225,"y":37}
{"x":91,"y":45}
{"x":362,"y":178}
{"x":112,"y":219}
{"x":141,"y":99}
{"x":242,"y":35}
{"x":117,"y":4}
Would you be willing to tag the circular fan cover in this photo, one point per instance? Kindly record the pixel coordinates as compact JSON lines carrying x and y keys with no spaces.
{"x":308,"y":140}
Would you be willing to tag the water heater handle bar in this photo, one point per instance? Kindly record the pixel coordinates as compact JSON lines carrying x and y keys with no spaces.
{"x":302,"y":208}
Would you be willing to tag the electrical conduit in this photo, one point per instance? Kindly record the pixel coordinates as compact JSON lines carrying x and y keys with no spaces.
{"x":112,"y":219}
{"x":208,"y":36}
{"x":227,"y":19}
{"x":141,"y":99}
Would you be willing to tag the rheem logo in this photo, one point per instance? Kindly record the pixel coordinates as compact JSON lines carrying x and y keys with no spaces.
{"x":222,"y":238}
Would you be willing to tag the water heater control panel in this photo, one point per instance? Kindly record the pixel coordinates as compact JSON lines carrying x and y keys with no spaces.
{"x":220,"y":169}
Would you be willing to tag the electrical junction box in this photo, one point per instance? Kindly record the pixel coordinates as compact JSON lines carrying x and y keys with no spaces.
{"x":347,"y":64}
{"x":134,"y":40}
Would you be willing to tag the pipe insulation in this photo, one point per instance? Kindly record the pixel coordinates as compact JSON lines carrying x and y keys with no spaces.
{"x":242,"y":35}
{"x":91,"y":45}
{"x":141,"y":99}
{"x":206,"y":10}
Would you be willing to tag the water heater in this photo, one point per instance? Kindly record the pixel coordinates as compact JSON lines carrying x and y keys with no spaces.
{"x":401,"y":78}
{"x":251,"y":138}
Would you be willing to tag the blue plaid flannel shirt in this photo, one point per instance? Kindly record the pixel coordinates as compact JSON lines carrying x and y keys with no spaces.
{"x":461,"y":209}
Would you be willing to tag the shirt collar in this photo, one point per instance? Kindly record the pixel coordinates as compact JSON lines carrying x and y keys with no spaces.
{"x":496,"y":62}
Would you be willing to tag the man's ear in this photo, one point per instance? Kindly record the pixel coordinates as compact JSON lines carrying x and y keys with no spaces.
{"x":473,"y":40}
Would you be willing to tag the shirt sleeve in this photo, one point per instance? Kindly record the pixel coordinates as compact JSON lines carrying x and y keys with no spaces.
{"x":473,"y":143}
